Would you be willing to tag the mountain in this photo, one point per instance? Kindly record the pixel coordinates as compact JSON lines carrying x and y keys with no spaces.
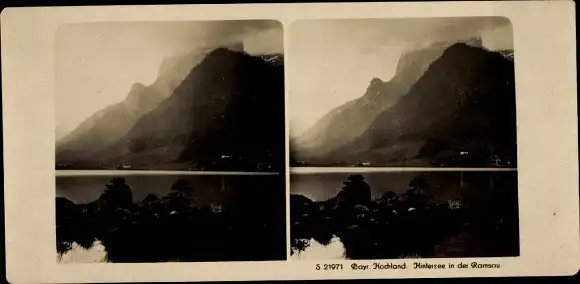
{"x":105,"y":127}
{"x":344,"y":124}
{"x":227,"y":114}
{"x":463,"y":104}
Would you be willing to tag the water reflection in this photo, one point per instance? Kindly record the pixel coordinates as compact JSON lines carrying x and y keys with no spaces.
{"x":409,"y":214}
{"x":171,"y":218}
{"x":95,"y":254}
{"x":315,"y":250}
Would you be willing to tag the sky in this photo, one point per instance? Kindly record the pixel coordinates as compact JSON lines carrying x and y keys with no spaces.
{"x":330,"y":62}
{"x":97,"y":63}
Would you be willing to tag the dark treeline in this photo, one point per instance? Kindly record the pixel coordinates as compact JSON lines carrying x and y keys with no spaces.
{"x":175,"y":227}
{"x":483,"y":223}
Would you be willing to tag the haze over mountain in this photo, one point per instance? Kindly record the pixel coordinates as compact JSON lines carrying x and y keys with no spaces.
{"x":107,"y":125}
{"x":333,"y":61}
{"x":227,"y":114}
{"x":204,"y":110}
{"x":443,"y":100}
{"x":359,"y":113}
{"x":96,"y":64}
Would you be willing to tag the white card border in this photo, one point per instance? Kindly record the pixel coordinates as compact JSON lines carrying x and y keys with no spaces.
{"x":544,"y":44}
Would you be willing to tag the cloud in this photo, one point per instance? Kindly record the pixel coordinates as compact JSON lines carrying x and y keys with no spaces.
{"x":97,"y":63}
{"x":258,"y":36}
{"x":332,"y":61}
{"x":399,"y":32}
{"x":170,"y":38}
{"x":226,"y":32}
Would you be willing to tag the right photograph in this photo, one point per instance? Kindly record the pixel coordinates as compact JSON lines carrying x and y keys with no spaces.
{"x":403,"y":138}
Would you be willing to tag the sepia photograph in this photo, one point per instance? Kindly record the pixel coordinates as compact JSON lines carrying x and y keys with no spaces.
{"x":424,"y":92}
{"x":403,"y":138}
{"x":294,"y":141}
{"x":170,"y":142}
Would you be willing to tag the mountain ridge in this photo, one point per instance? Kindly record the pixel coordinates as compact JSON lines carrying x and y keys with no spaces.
{"x":434,"y":110}
{"x":186,"y":130}
{"x":107,"y":125}
{"x":359,"y":113}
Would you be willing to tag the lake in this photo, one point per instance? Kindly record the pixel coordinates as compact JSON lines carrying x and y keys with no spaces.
{"x":251,"y":206}
{"x":209,"y":187}
{"x":490,"y":196}
{"x":320,"y":184}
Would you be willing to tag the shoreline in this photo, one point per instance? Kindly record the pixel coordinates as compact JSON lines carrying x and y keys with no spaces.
{"x":320,"y":170}
{"x":76,"y":173}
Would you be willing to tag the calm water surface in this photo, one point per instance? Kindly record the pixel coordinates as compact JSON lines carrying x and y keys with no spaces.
{"x":208,"y":187}
{"x":444,"y":184}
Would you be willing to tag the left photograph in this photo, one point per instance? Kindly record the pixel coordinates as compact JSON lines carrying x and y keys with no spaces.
{"x":170,"y":142}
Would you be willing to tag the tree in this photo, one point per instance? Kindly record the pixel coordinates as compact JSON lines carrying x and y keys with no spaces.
{"x":418,"y":193}
{"x":118,"y":193}
{"x":387,"y":197}
{"x":150,"y":198}
{"x":420,"y":184}
{"x":180,"y":189}
{"x":356,"y":190}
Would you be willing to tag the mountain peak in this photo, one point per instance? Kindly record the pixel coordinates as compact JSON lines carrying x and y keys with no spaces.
{"x":459,"y":48}
{"x":137,"y":86}
{"x":237,"y":47}
{"x":135,"y":91}
{"x":459,"y":45}
{"x":375,"y":86}
{"x":224,"y":52}
{"x":376,"y":81}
